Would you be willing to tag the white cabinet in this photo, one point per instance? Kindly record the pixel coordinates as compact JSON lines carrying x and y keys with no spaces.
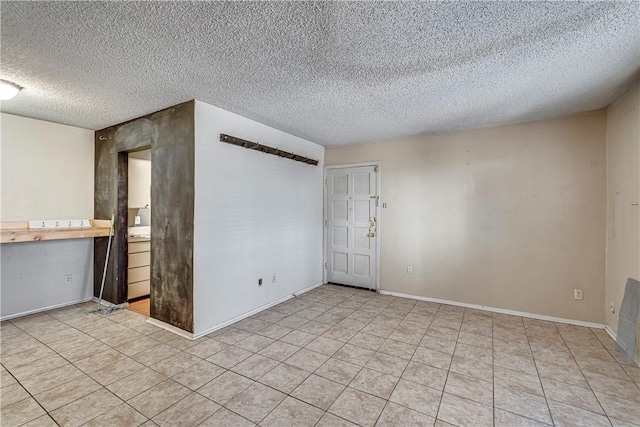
{"x":139,"y":269}
{"x":139,"y":183}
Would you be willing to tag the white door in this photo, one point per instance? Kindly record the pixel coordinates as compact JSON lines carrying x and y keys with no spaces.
{"x":351,"y":223}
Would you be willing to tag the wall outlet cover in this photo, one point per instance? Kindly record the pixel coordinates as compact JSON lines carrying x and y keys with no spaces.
{"x":577,"y":294}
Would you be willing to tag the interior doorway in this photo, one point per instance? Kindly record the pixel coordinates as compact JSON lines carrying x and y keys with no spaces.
{"x":352,"y":225}
{"x":138,"y":224}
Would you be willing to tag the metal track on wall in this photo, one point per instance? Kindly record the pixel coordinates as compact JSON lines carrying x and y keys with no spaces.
{"x":266,"y":149}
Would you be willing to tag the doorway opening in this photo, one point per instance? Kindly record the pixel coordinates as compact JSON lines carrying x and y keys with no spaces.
{"x":138,"y":215}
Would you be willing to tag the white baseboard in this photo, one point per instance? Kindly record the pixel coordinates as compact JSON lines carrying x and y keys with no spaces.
{"x":252,"y":312}
{"x":170,"y":328}
{"x":612,"y":334}
{"x":310,"y":288}
{"x":39,"y":310}
{"x":500,"y":310}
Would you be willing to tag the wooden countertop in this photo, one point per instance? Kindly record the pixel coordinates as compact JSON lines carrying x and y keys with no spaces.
{"x":19,"y":231}
{"x":139,"y":239}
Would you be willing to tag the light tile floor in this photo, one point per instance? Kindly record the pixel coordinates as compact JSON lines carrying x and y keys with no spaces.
{"x":335,"y":356}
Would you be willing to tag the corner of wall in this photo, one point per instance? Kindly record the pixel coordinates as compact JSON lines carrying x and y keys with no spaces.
{"x":623,"y":195}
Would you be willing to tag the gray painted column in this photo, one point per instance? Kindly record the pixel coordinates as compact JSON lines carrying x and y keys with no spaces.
{"x":170,"y":135}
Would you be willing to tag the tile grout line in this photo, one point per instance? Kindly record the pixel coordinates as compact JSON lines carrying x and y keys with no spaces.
{"x":448,"y":368}
{"x":583,"y":376}
{"x":280,"y":363}
{"x":379,"y":311}
{"x":46,"y":345}
{"x":387,"y":339}
{"x":221,"y":406}
{"x":73,"y":364}
{"x":364,"y":366}
{"x":360,"y":370}
{"x":90,"y":356}
{"x":493,"y":371}
{"x":30,"y":397}
{"x":544,"y":393}
{"x":403,"y":371}
{"x":511,"y":412}
{"x":571,"y":384}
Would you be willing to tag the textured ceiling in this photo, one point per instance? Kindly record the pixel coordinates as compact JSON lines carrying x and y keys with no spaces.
{"x":333,"y":73}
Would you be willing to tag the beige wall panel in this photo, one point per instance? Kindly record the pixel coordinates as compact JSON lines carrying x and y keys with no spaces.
{"x":510,"y":217}
{"x":623,"y":194}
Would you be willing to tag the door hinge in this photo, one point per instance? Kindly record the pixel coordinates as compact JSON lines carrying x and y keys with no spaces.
{"x":326,"y":223}
{"x":325,"y":265}
{"x":375,"y":169}
{"x":326,"y":181}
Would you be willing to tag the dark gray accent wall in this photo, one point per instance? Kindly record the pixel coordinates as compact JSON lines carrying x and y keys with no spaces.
{"x":170,"y":135}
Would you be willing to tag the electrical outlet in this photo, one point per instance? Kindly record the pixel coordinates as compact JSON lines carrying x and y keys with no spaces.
{"x":136,"y":220}
{"x":68,"y":278}
{"x":577,"y":294}
{"x":612,"y":306}
{"x":410,"y":269}
{"x":273,"y":278}
{"x":260,"y":281}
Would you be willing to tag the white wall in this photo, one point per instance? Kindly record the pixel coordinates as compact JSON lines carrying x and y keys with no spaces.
{"x":255,"y":214}
{"x":139,"y":183}
{"x":47,"y":173}
{"x":33,"y":275}
{"x":47,"y":170}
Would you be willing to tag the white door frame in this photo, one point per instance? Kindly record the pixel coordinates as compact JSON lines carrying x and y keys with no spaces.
{"x":378,"y":223}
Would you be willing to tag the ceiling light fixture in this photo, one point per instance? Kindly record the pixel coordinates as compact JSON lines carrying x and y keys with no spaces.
{"x":8,"y":90}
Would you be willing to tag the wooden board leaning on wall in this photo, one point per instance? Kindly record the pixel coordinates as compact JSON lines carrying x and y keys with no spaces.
{"x":19,"y":231}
